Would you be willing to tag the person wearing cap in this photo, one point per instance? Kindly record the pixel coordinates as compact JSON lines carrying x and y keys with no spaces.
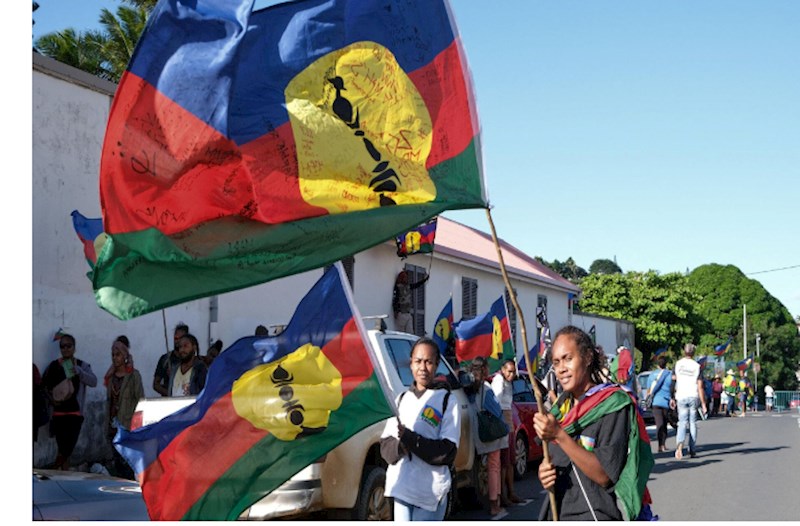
{"x":688,"y":391}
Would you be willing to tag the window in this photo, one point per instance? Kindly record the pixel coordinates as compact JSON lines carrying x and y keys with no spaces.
{"x":469,"y":298}
{"x":512,"y":315}
{"x":541,"y":306}
{"x":416,"y":275}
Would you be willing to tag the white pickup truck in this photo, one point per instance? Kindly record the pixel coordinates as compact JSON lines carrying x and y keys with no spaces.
{"x":349,"y":481}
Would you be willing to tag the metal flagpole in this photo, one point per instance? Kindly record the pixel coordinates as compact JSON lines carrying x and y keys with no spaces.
{"x":523,"y":332}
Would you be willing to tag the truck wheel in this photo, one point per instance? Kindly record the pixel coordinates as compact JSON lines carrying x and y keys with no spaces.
{"x":521,"y":460}
{"x":480,"y":480}
{"x":372,"y":504}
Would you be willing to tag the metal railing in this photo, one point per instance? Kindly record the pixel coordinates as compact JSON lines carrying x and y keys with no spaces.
{"x":786,"y":401}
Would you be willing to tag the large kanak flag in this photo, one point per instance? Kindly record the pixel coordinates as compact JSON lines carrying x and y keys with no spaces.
{"x":243,"y":146}
{"x":271,"y":406}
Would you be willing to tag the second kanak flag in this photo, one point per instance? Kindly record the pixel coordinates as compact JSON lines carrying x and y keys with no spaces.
{"x":271,"y":406}
{"x":246,"y":146}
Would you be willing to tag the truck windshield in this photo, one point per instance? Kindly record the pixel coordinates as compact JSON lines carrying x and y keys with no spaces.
{"x":400,"y":351}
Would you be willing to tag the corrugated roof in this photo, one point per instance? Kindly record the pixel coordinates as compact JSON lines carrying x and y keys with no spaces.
{"x":457,"y":240}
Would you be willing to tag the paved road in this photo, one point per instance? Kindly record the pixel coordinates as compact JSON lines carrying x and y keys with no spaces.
{"x":747,"y":469}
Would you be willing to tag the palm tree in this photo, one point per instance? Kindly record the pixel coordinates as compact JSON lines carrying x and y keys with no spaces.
{"x":122,"y":34}
{"x":104,"y":53}
{"x":81,"y":50}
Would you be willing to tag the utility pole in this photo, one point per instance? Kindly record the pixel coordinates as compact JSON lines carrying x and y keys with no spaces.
{"x":756,"y":365}
{"x":744,"y":348}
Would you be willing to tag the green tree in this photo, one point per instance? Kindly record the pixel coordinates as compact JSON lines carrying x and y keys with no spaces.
{"x":604,"y":266}
{"x":568,"y":269}
{"x":725,"y":290}
{"x":661,"y":308}
{"x":106,"y":52}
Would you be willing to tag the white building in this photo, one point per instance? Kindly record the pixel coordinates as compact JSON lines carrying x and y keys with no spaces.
{"x":70,"y":110}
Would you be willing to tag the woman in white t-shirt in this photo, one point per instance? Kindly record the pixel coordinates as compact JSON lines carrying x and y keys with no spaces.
{"x":421,"y":443}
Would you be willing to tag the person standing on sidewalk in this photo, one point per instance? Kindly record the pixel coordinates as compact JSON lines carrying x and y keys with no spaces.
{"x":661,"y":388}
{"x":688,"y":391}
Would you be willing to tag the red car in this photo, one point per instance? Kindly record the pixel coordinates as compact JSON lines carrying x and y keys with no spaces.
{"x":524,"y":407}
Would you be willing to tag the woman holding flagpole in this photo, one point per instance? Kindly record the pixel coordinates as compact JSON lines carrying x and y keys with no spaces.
{"x":599,"y":455}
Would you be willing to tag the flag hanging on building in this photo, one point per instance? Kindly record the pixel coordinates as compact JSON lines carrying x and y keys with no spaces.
{"x":488,"y":335}
{"x":243,"y":146}
{"x":417,"y":240}
{"x":90,"y":232}
{"x":271,"y":406}
{"x":743,"y":365}
{"x":443,"y":328}
{"x":723,"y":348}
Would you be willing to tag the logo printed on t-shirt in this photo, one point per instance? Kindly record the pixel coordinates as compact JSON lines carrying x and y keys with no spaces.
{"x":430,"y":415}
{"x":586,"y":442}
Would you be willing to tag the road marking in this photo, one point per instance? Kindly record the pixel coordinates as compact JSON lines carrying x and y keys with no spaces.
{"x":500,"y":515}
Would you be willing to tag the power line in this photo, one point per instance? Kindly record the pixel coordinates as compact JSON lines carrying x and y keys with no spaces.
{"x":772,"y":270}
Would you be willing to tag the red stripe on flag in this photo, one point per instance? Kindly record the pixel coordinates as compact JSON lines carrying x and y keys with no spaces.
{"x":347,"y":353}
{"x":480,"y":345}
{"x":211,"y":446}
{"x":444,"y":89}
{"x":156,"y":154}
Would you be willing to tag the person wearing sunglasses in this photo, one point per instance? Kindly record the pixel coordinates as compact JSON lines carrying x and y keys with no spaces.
{"x":66,"y":379}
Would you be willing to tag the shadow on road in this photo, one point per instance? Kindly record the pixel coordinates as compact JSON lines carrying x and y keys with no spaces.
{"x":705,"y":453}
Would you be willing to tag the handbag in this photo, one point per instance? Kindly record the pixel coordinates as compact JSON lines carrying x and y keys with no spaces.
{"x":63,"y":390}
{"x":490,"y":427}
{"x":649,"y":400}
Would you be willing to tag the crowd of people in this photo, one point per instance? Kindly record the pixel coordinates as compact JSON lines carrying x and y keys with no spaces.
{"x":59,"y":393}
{"x":591,"y":425}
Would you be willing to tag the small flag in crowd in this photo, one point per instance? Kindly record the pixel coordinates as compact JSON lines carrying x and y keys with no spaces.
{"x":702,"y":361}
{"x":658,"y":352}
{"x":90,"y":232}
{"x":722,"y":348}
{"x":270,"y":407}
{"x":244,"y":145}
{"x":593,"y":334}
{"x":59,"y":333}
{"x":622,"y":367}
{"x":488,"y":335}
{"x":743,"y":365}
{"x":418,"y":240}
{"x":443,"y":328}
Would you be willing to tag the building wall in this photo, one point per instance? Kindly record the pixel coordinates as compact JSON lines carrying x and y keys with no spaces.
{"x":70,"y":110}
{"x":609,"y":332}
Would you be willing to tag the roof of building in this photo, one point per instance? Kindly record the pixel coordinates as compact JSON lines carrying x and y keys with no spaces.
{"x":460,"y":241}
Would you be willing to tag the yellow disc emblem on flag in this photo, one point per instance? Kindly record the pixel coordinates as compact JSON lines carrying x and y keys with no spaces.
{"x":497,"y":339}
{"x":442,"y":329}
{"x":290,"y":396}
{"x":362,"y":131}
{"x":412,"y":241}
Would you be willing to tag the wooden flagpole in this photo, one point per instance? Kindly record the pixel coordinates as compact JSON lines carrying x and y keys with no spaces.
{"x":521,"y":318}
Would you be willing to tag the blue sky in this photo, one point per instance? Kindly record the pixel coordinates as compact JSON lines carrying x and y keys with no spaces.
{"x":663,"y":134}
